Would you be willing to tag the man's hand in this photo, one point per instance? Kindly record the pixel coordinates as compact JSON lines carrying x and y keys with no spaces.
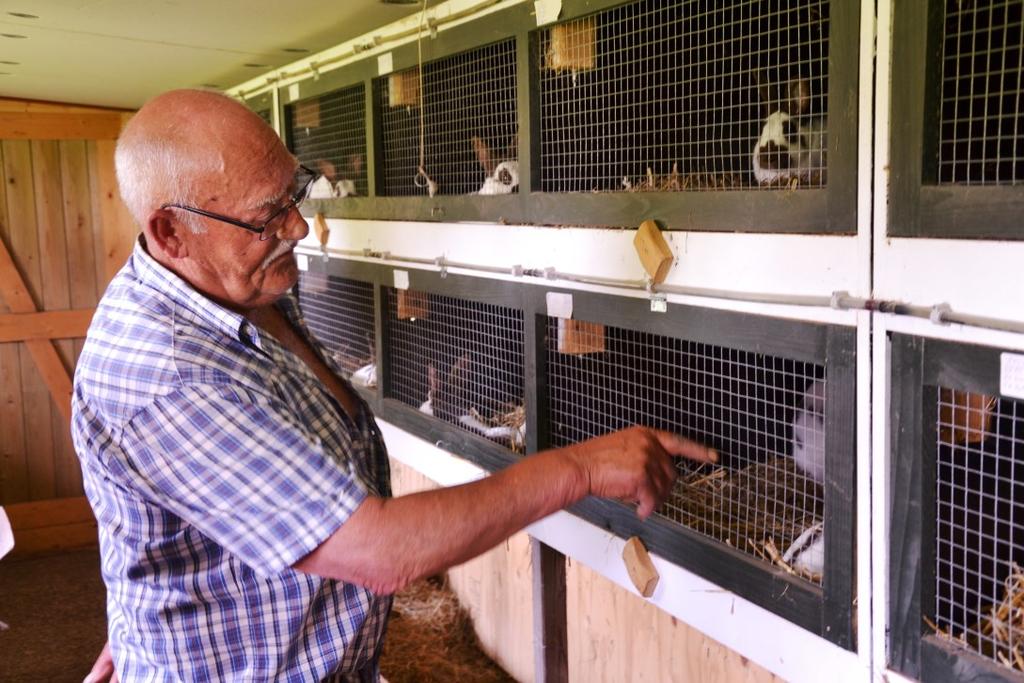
{"x":635,"y":464}
{"x":103,"y":669}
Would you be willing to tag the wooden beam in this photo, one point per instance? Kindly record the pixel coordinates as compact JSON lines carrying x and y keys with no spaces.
{"x":49,"y":525}
{"x":73,"y":324}
{"x":15,"y":125}
{"x":51,"y":368}
{"x":550,"y":640}
{"x":44,"y":107}
{"x":46,"y":513}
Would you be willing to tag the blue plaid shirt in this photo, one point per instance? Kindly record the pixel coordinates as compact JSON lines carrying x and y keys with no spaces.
{"x":214,"y":460}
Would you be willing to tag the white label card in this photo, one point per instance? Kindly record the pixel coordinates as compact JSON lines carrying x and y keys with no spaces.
{"x":385,"y":64}
{"x":1011,"y":375}
{"x":559,"y":305}
{"x":547,"y":10}
{"x":401,"y":279}
{"x":293,"y":92}
{"x":302,"y":261}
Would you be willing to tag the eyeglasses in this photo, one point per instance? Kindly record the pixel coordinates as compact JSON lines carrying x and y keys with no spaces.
{"x":304,"y":178}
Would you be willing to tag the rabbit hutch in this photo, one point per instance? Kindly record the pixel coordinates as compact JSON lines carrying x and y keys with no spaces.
{"x":789,"y":230}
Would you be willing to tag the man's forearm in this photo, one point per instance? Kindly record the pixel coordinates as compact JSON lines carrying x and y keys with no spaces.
{"x":387,"y":543}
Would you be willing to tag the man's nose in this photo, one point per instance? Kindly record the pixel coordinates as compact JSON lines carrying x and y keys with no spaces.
{"x":294,"y":226}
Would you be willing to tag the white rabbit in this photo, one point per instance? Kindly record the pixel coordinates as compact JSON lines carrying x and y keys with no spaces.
{"x":501,"y":178}
{"x":325,"y":186}
{"x":809,"y":432}
{"x":807,"y":552}
{"x":792,"y":144}
{"x":428,"y":405}
{"x":321,"y":189}
{"x":346,"y":186}
{"x":365,"y":376}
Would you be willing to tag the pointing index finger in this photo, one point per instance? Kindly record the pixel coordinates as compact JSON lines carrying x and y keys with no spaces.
{"x":682,"y":447}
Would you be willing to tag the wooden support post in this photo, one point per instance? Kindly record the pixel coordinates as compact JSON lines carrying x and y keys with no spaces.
{"x":16,"y":294}
{"x":550,"y":637}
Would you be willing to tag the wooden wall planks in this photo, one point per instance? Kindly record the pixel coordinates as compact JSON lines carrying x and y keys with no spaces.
{"x":68,"y":234}
{"x":32,"y":476}
{"x":46,"y":176}
{"x":83,"y":276}
{"x":614,"y":635}
{"x":116,"y":228}
{"x":13,"y":465}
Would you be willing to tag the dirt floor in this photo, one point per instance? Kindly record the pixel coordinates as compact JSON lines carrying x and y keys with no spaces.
{"x":53,"y":609}
{"x":53,"y":624}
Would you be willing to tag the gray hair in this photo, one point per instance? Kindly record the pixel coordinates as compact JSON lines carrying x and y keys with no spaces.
{"x":153,"y":170}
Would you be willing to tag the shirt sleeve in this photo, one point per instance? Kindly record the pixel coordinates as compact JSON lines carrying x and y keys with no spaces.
{"x":243,"y":470}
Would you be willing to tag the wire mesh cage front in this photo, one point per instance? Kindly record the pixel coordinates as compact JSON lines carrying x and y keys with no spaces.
{"x":765,"y":415}
{"x":328,"y":134}
{"x":459,"y":361}
{"x":981,"y":134}
{"x":979,"y":507}
{"x":340,"y":314}
{"x":465,"y":108}
{"x":670,"y":95}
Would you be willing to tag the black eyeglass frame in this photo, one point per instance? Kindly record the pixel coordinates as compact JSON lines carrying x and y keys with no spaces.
{"x":297,"y":198}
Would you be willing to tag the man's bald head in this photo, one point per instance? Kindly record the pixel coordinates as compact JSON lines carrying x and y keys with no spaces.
{"x":181,"y":140}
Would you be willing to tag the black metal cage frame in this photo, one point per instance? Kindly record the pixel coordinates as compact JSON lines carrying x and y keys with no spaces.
{"x":919,"y":207}
{"x":919,"y":365}
{"x":825,"y":610}
{"x":830,"y":209}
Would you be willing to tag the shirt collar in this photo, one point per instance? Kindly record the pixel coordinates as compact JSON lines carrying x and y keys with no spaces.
{"x":151,"y":273}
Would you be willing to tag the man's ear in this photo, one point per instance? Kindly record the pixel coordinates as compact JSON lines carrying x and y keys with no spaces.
{"x":164,"y":232}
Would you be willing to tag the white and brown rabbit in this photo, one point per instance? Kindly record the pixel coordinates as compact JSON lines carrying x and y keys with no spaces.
{"x":502,"y":177}
{"x":793,"y":141}
{"x":451,"y":400}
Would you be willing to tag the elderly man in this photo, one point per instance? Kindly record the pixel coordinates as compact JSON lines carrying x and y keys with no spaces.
{"x":240,"y":485}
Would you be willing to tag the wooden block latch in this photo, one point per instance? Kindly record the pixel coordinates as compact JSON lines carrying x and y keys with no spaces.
{"x":641,"y":569}
{"x":653,"y":250}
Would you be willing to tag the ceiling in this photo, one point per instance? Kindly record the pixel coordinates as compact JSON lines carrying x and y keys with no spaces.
{"x":119,"y":53}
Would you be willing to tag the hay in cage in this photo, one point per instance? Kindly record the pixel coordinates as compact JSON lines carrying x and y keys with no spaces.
{"x":810,"y":179}
{"x":682,"y":182}
{"x":707,"y":180}
{"x":999,"y":635}
{"x":763,"y":507}
{"x":511,"y":417}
